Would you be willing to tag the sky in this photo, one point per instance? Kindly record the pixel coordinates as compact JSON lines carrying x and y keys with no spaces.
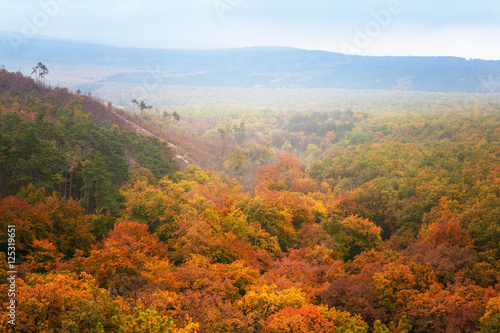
{"x":463,"y":28}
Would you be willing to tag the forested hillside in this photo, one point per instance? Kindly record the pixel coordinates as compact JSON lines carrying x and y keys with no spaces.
{"x":315,"y":221}
{"x":71,"y":144}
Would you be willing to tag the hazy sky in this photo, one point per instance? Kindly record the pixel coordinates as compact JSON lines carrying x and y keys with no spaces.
{"x":464,"y":28}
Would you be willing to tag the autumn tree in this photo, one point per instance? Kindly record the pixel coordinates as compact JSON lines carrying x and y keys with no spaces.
{"x":130,"y":259}
{"x":313,"y":319}
{"x":490,"y":321}
{"x":354,"y":234}
{"x":60,"y":302}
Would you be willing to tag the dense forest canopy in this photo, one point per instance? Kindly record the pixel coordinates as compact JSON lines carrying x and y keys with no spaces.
{"x":329,"y":220}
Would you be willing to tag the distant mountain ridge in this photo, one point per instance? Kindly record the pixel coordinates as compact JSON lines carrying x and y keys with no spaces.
{"x":270,"y":67}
